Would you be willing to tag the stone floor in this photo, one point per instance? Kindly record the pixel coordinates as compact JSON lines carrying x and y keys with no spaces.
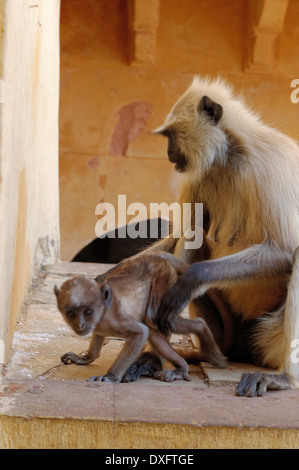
{"x":46,"y":404}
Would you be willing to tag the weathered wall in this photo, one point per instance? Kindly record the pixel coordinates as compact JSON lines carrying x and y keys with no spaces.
{"x":109,"y":107}
{"x":29,"y":229}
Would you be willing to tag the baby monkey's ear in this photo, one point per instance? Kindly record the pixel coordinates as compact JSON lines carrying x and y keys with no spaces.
{"x":106,"y":295}
{"x":56,"y":290}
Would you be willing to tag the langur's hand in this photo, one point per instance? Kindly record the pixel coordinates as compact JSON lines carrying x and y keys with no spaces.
{"x":173,"y":303}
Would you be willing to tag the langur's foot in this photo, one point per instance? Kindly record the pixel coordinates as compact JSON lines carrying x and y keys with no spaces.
{"x":257,"y":384}
{"x":110,"y":378}
{"x":146,"y":364}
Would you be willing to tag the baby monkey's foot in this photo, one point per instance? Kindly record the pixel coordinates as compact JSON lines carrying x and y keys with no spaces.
{"x":166,"y":375}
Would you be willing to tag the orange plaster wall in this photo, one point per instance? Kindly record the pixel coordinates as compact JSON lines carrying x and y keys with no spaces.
{"x":98,"y":86}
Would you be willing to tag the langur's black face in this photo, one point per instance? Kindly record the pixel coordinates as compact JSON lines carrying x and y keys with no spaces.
{"x":174,"y":153}
{"x":190,"y":130}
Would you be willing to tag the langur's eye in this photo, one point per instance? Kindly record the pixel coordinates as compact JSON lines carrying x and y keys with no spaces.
{"x":87,"y":312}
{"x":71,"y":313}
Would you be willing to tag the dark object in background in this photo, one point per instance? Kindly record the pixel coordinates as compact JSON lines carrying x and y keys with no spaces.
{"x":114,"y":250}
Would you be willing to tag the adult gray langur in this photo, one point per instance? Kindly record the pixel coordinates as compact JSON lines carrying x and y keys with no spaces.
{"x":246,"y":174}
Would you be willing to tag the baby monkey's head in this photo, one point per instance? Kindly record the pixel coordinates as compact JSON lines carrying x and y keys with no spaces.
{"x":82,"y":302}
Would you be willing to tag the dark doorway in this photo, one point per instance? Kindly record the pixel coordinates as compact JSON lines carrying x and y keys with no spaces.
{"x":113,"y":250}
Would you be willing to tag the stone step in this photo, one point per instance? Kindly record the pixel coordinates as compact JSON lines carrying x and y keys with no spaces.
{"x":46,"y":404}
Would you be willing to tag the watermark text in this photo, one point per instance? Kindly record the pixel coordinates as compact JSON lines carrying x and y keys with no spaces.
{"x":186,"y":220}
{"x":295,"y":93}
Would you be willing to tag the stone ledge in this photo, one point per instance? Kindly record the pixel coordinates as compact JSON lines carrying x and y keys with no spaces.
{"x":46,"y":404}
{"x":42,"y":413}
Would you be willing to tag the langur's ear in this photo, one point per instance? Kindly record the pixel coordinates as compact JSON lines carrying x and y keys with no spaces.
{"x":56,"y":290}
{"x":106,"y":295}
{"x":212,"y":110}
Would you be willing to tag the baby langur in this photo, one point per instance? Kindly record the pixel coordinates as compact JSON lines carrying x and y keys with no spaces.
{"x":124,"y":302}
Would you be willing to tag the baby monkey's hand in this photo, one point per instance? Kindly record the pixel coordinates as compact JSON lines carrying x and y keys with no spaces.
{"x":71,"y":358}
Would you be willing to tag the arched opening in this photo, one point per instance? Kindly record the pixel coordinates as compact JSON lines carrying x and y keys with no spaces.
{"x":117,"y":245}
